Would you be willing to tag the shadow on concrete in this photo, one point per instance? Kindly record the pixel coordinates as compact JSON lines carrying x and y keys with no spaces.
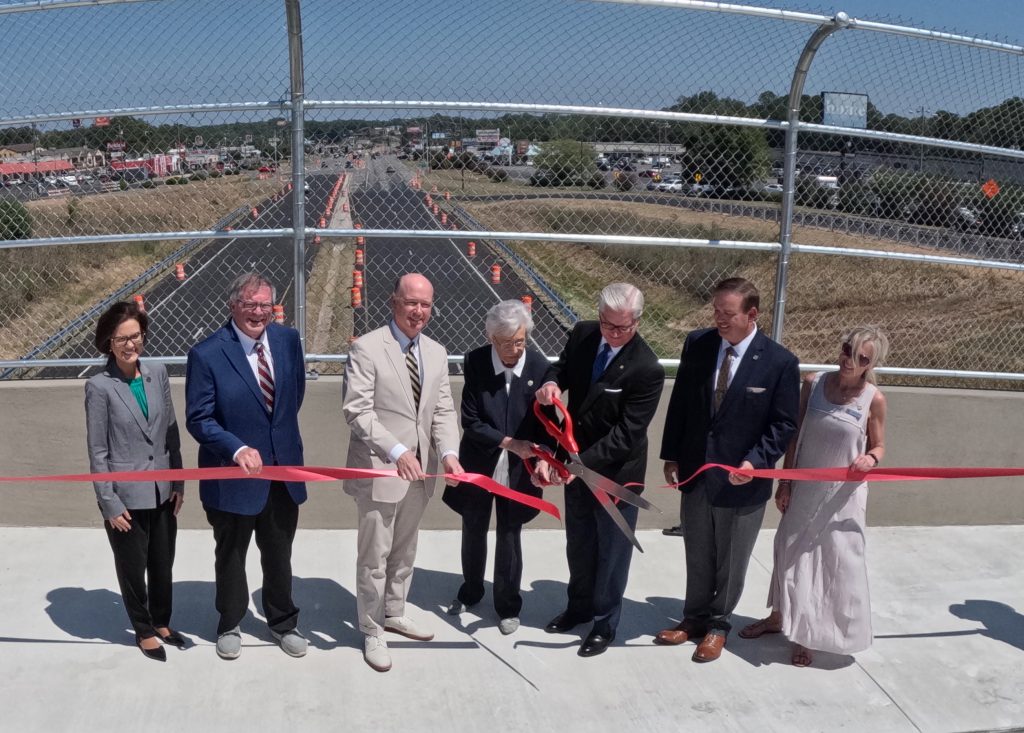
{"x":1001,"y":622}
{"x":327,"y":611}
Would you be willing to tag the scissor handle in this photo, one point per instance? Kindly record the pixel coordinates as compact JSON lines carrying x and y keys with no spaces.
{"x":565,"y":437}
{"x":540,"y":454}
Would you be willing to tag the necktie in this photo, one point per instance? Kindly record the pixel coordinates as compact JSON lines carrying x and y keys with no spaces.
{"x":414,"y":375}
{"x":266,"y":379}
{"x":722,"y":384}
{"x":600,"y":362}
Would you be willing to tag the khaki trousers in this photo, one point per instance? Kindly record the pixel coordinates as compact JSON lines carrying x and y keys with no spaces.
{"x":386,"y":553}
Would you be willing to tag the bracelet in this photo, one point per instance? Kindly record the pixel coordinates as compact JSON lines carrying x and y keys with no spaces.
{"x":786,"y":481}
{"x":873,"y":457}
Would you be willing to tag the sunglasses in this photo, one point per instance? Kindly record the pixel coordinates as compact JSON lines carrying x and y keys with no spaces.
{"x":848,"y":353}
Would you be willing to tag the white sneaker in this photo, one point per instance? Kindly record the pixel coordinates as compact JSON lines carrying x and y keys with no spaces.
{"x":407,"y":627}
{"x":376,"y":654}
{"x":508,"y":625}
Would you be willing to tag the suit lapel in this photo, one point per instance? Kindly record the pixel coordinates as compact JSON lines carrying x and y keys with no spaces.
{"x":154,"y":398}
{"x":233,"y":352}
{"x":747,"y":368}
{"x":124,"y":391}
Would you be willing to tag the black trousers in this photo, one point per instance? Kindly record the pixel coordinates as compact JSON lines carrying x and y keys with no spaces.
{"x":599,"y":556}
{"x":274,"y":528}
{"x":146,"y":552}
{"x":718,"y":541}
{"x":508,"y":557}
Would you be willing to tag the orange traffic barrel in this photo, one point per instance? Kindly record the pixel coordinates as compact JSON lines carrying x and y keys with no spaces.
{"x":179,"y":271}
{"x":357,"y":278}
{"x":358,"y":226}
{"x":447,"y":196}
{"x":344,"y":206}
{"x":359,"y":256}
{"x":357,"y":298}
{"x":429,"y":200}
{"x":361,"y":240}
{"x":527,"y":301}
{"x":444,"y":218}
{"x":433,"y":189}
{"x":471,"y":249}
{"x":436,"y":209}
{"x":278,"y":313}
{"x":323,"y":222}
{"x":255,"y":212}
{"x":495,"y":274}
{"x":140,"y":302}
{"x":316,"y":239}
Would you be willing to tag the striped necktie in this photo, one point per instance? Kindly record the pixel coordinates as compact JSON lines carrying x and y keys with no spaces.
{"x":414,"y":375}
{"x":722,"y":384}
{"x":266,"y":378}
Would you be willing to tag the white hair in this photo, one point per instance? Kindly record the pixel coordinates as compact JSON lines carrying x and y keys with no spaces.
{"x":621,"y":297}
{"x":507,"y":317}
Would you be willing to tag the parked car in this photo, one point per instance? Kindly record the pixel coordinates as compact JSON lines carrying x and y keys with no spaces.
{"x":698,"y":189}
{"x":389,"y":169}
{"x":672,"y":185}
{"x":648,"y":173}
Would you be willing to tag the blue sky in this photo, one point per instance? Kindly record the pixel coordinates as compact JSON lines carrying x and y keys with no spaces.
{"x":542,"y":51}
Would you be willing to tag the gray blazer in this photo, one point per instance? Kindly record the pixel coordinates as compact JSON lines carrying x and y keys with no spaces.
{"x":121,"y":439}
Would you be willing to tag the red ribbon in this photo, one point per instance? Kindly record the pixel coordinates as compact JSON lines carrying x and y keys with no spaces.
{"x":845,"y":473}
{"x":289,"y":473}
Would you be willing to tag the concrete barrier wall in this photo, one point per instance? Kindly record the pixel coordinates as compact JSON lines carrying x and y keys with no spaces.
{"x":42,"y":425}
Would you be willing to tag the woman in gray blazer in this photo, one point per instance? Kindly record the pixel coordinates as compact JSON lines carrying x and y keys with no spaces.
{"x":131,"y":427}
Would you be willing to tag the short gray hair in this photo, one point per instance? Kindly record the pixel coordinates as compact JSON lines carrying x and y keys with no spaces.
{"x":507,"y":317}
{"x":249,"y":281}
{"x":620,"y":297}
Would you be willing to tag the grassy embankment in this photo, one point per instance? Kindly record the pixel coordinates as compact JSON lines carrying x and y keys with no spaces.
{"x":43,"y":286}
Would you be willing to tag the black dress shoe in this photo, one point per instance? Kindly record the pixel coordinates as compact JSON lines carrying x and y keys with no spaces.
{"x":159,"y":654}
{"x":173,"y":638}
{"x":563,"y":622}
{"x":595,"y":643}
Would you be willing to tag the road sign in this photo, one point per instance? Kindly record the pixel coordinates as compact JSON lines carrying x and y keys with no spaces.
{"x":248,"y":138}
{"x":698,"y":176}
{"x":76,"y":123}
{"x":990,"y":188}
{"x":199,"y":140}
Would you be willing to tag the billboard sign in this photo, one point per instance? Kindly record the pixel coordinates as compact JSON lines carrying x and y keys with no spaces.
{"x":115,"y":146}
{"x":413,"y":130}
{"x":488,"y":136}
{"x":841,"y":109}
{"x":101,"y":122}
{"x":438,"y":135}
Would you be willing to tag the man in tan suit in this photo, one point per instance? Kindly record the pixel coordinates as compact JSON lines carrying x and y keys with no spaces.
{"x":398,"y":404}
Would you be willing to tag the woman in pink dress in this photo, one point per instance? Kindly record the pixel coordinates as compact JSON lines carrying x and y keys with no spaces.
{"x":819,"y":591}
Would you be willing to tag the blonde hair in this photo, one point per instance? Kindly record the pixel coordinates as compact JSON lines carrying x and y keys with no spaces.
{"x":857,"y":337}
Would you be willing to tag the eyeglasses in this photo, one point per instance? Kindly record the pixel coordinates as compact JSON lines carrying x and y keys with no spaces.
{"x":516,"y":344}
{"x":616,"y":330}
{"x":252,"y":305}
{"x":848,"y":353}
{"x":135,"y":338}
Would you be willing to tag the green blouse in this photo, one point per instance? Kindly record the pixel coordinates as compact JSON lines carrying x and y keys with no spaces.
{"x":139,"y":390}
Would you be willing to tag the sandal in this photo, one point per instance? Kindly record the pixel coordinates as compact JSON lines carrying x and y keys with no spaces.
{"x":758,"y":629}
{"x":801,"y":657}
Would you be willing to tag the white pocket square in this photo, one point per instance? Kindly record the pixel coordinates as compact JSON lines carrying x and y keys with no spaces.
{"x":612,"y":391}
{"x":755,"y":390}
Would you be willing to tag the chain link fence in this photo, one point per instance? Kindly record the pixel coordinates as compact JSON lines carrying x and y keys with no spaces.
{"x":857,"y":171}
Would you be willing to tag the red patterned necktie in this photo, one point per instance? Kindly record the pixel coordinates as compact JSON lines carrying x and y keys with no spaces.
{"x":266,"y":378}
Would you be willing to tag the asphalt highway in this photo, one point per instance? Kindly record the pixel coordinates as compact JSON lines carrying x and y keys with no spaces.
{"x":184,"y":312}
{"x":463,"y":289}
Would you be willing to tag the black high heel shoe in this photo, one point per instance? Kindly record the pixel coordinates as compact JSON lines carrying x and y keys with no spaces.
{"x":159,"y":654}
{"x":173,"y":638}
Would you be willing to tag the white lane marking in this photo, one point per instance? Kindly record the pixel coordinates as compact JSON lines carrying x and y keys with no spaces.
{"x":475,"y":271}
{"x":194,"y":273}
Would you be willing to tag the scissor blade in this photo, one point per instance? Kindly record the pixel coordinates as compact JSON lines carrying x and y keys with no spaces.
{"x":597,"y":481}
{"x":616,"y":515}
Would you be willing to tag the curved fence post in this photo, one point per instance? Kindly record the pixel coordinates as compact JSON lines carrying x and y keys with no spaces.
{"x":796,"y":90}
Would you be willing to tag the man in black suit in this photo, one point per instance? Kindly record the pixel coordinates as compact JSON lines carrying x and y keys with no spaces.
{"x":498,"y":430}
{"x":735,"y":402}
{"x":614,"y":382}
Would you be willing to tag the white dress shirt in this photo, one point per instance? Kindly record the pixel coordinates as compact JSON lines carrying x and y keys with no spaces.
{"x":740,"y":349}
{"x":501,"y":472}
{"x":249,"y":349}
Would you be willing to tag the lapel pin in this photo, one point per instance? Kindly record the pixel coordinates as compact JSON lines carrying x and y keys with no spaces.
{"x":755,"y":356}
{"x":529,"y":382}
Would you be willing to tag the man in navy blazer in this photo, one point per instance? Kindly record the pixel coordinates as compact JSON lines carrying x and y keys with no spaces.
{"x":244,"y":386}
{"x":735,"y":402}
{"x":614,"y":382}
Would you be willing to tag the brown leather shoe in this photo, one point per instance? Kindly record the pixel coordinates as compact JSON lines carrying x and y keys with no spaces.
{"x":687,"y":629}
{"x":710,"y":648}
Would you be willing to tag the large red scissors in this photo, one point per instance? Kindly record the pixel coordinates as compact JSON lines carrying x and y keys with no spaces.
{"x":600,"y":486}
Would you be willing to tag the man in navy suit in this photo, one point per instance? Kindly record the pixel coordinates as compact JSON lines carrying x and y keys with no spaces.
{"x":244,"y":386}
{"x":735,"y":402}
{"x":614,"y":382}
